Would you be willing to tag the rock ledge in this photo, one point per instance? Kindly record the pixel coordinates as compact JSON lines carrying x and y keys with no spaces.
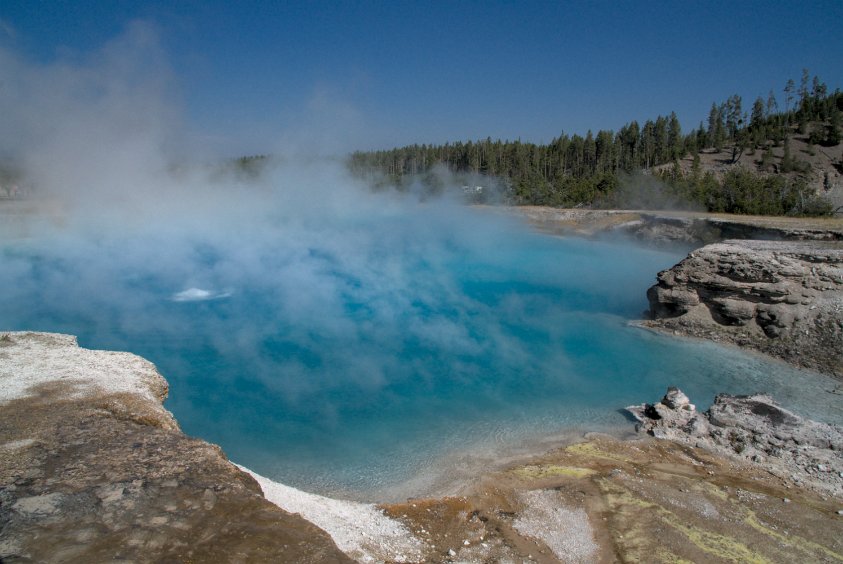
{"x":780,"y":298}
{"x":94,"y":469}
{"x":753,"y":428}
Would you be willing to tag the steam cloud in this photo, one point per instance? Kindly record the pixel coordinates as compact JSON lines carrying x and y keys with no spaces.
{"x":350,"y":279}
{"x":327,"y":298}
{"x":141,"y":225}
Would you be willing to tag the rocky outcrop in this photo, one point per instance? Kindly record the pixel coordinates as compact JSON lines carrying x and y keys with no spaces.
{"x":94,"y":469}
{"x":754,"y":428}
{"x":780,"y":298}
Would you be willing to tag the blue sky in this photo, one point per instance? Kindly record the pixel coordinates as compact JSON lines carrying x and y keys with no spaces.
{"x":250,"y":77}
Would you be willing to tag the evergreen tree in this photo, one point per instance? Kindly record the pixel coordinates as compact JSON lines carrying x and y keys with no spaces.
{"x":689,"y":146}
{"x":701,"y":137}
{"x":772,"y":105}
{"x":802,"y":125}
{"x":648,"y":144}
{"x":757,"y":123}
{"x":661,"y":141}
{"x":789,"y":89}
{"x":605,"y":151}
{"x":590,"y":153}
{"x":583,"y":170}
{"x":819,"y":92}
{"x":713,"y":119}
{"x":818,"y":135}
{"x":716,"y":130}
{"x":734,"y":116}
{"x":803,"y":90}
{"x":674,"y":137}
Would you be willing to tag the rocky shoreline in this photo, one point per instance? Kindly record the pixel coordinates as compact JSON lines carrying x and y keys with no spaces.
{"x":93,"y":468}
{"x":784,"y":299}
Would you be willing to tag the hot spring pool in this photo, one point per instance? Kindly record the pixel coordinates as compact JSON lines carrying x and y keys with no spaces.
{"x":352,"y":353}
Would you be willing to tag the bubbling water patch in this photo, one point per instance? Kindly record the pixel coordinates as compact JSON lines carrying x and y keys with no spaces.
{"x":367,"y":349}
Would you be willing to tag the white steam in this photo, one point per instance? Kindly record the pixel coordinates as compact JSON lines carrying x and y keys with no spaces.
{"x":95,"y":128}
{"x":99,"y":135}
{"x":322,"y":303}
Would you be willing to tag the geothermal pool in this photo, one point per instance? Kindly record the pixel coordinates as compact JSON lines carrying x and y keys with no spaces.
{"x":370,"y":352}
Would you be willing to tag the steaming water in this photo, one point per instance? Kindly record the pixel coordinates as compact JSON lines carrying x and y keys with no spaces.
{"x":354,"y":357}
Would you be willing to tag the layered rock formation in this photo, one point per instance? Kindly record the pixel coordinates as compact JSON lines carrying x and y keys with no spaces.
{"x":754,"y":428}
{"x":94,"y":469}
{"x":780,"y":298}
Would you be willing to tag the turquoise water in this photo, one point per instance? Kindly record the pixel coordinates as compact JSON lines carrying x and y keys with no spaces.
{"x":352,"y":353}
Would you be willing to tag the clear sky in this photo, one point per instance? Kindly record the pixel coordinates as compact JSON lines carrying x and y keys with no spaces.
{"x":251,"y":76}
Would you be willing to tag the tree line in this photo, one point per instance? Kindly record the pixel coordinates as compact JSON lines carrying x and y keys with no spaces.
{"x":591,"y":170}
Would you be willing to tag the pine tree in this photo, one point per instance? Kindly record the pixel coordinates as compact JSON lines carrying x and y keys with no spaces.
{"x":674,"y":137}
{"x":590,"y":153}
{"x":789,"y":88}
{"x":772,"y":105}
{"x":757,"y":117}
{"x":819,"y":91}
{"x":716,"y":134}
{"x":803,"y":90}
{"x":661,"y":148}
{"x":818,"y":136}
{"x":689,"y":145}
{"x":734,"y":116}
{"x":757,"y":123}
{"x":701,"y":137}
{"x":648,"y":144}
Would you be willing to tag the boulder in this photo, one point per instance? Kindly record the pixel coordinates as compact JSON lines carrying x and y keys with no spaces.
{"x":782,"y":298}
{"x":755,"y":429}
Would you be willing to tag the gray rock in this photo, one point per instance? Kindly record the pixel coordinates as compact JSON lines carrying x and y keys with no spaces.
{"x":755,"y":429}
{"x":38,"y":504}
{"x":782,"y":298}
{"x":676,"y":399}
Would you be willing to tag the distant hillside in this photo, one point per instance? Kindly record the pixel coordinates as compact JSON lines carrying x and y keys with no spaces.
{"x":764,"y":160}
{"x":819,"y":166}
